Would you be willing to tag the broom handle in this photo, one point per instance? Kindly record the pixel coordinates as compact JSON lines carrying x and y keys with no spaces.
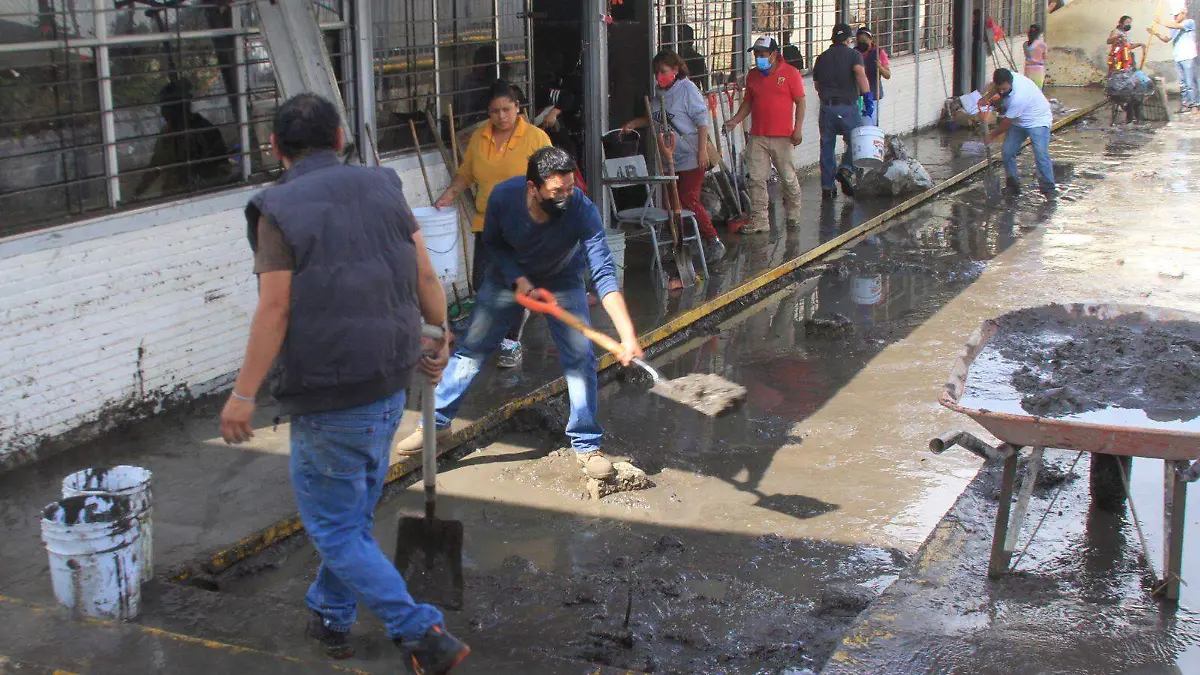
{"x":421,"y":159}
{"x":1150,"y":40}
{"x":429,"y":431}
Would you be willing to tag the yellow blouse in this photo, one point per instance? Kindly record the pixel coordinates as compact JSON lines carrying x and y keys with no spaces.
{"x":485,"y":166}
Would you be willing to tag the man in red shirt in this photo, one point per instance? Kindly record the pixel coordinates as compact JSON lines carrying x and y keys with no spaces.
{"x":775,"y":101}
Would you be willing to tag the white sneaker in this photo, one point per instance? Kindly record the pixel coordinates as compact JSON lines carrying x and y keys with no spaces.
{"x":509,"y":355}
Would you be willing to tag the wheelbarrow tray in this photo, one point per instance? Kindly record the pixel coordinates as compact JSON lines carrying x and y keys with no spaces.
{"x":1065,"y":432}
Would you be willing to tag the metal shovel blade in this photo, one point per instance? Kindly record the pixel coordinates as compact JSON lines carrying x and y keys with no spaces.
{"x":429,"y":557}
{"x":706,"y":393}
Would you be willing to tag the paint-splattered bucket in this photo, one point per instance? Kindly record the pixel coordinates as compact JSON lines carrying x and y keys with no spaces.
{"x":867,"y":147}
{"x":121,"y":481}
{"x":92,"y":542}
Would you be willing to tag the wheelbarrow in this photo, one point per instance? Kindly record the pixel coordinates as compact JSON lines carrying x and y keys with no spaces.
{"x":1178,"y":448}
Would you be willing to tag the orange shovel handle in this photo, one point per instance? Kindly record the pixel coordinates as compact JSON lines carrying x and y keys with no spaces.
{"x":543,"y":301}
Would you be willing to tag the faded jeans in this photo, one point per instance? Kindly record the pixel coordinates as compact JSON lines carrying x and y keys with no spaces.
{"x":837,"y":120}
{"x":495,"y":312}
{"x":1039,"y":139}
{"x":761,"y":152}
{"x":1189,"y":86}
{"x":338,"y":464}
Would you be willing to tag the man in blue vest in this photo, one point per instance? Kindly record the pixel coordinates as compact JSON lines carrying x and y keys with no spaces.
{"x":345,"y":283}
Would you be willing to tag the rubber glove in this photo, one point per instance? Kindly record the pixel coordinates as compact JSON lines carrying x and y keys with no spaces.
{"x":868,"y":104}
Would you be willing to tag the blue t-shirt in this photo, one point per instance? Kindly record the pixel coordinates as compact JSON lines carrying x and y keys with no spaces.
{"x":553,"y":255}
{"x":1184,"y":41}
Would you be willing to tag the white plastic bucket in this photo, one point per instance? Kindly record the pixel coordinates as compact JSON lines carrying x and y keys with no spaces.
{"x":92,"y":543}
{"x":616,"y":246}
{"x":440,"y":228}
{"x":868,"y":290}
{"x":867,"y":147}
{"x":121,"y":481}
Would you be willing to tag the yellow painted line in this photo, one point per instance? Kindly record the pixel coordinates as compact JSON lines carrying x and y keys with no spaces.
{"x":34,"y":608}
{"x":263,"y":539}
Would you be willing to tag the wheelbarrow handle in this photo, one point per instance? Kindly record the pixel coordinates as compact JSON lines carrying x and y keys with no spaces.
{"x":543,"y":301}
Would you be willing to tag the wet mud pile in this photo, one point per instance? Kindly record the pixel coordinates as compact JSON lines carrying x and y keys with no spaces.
{"x":1072,"y":366}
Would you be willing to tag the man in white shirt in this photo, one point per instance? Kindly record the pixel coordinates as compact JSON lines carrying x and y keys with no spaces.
{"x":1183,"y":39}
{"x":1026,"y":115}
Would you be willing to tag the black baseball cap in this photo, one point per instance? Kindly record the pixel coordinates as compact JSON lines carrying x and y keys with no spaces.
{"x":765,"y":43}
{"x":864,"y":31}
{"x":842,"y":32}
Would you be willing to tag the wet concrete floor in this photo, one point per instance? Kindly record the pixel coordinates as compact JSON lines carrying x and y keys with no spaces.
{"x":770,"y":529}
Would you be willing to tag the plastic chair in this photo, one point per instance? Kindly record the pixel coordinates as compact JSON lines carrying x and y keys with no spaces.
{"x":630,"y":172}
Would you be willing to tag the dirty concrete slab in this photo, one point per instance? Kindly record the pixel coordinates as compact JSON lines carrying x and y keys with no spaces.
{"x":1080,"y":601}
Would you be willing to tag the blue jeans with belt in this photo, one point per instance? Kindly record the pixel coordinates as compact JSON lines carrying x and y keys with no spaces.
{"x":338,"y":464}
{"x":1039,"y":140}
{"x":495,"y":312}
{"x":837,"y":120}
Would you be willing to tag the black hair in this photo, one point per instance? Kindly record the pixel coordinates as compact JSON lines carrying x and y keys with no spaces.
{"x":1035,"y":31}
{"x":484,"y":56}
{"x":549,"y":161}
{"x":503,"y":89}
{"x":305,"y":123}
{"x":1002,"y":76}
{"x":1122,"y":19}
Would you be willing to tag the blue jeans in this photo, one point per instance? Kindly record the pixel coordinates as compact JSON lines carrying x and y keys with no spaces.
{"x":836,"y":120}
{"x":339,"y":462}
{"x":495,"y":312}
{"x":1039,"y":139}
{"x":1189,"y":87}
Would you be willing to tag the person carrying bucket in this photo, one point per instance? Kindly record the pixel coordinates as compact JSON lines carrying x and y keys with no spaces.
{"x":344,"y":284}
{"x":878,"y":67}
{"x":543,"y":233}
{"x":497,"y":151}
{"x":1027,"y":114}
{"x":775,"y":103}
{"x":841,"y":81}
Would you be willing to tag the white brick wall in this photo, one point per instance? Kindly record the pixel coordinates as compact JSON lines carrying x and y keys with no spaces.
{"x":108,"y":318}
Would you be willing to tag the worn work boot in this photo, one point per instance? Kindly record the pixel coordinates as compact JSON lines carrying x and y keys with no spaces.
{"x":828,"y":194}
{"x":1012,"y":186}
{"x":714,"y":251}
{"x":509,"y":355}
{"x":846,"y":178}
{"x":335,"y":643}
{"x":436,"y":653}
{"x":755,"y":228}
{"x":412,"y":444}
{"x":596,"y":465}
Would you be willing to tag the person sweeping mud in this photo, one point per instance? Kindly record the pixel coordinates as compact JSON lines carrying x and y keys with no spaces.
{"x":344,"y":284}
{"x":542,"y":233}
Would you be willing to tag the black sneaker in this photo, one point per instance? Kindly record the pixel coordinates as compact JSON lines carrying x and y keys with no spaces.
{"x":1012,"y":186}
{"x":335,"y":643}
{"x":435,"y":654}
{"x":846,"y":178}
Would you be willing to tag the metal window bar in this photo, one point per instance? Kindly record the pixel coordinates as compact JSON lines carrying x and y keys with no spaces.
{"x":82,"y":104}
{"x":801,"y":27}
{"x":433,"y":53}
{"x":708,"y":35}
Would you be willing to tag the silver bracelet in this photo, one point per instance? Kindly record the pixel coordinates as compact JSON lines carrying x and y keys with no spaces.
{"x":247,"y":399}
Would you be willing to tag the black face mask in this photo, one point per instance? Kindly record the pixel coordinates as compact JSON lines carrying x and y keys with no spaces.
{"x":554,"y":207}
{"x":1127,"y":27}
{"x":864,"y":46}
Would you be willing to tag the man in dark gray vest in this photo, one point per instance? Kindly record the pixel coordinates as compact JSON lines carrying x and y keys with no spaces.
{"x":841,"y":80}
{"x":344,"y":284}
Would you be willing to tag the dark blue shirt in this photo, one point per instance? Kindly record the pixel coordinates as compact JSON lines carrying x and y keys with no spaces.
{"x":553,"y":255}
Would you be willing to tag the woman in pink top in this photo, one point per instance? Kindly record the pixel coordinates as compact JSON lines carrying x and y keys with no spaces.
{"x":1035,"y":56}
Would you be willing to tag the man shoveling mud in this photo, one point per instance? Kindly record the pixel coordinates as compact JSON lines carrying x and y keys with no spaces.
{"x":541,"y":232}
{"x":1027,"y":114}
{"x":344,"y":284}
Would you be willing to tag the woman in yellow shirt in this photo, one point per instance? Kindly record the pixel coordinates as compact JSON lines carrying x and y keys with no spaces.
{"x":497,"y":151}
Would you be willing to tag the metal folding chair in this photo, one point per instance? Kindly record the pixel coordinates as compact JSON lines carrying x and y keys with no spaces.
{"x":630,"y":172}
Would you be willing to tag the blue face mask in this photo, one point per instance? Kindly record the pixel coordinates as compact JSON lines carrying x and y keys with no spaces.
{"x":763,"y":63}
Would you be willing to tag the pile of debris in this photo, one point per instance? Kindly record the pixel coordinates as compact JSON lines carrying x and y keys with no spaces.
{"x":899,"y":175}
